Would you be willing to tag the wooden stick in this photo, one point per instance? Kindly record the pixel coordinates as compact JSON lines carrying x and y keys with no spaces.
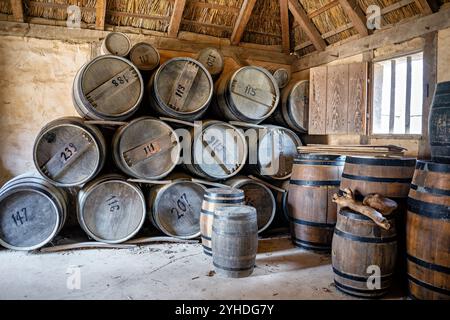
{"x":383,"y":205}
{"x":159,"y":239}
{"x":86,"y":245}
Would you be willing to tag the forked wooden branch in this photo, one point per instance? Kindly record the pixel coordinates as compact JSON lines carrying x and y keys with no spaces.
{"x":383,"y":205}
{"x":347,"y":200}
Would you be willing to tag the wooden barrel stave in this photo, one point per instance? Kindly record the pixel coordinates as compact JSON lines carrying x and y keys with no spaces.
{"x":439,"y":124}
{"x":235,"y":240}
{"x":428,"y":232}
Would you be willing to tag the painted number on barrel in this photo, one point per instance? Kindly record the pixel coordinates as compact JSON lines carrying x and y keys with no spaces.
{"x":250,"y":91}
{"x":20,"y":217}
{"x":180,"y":91}
{"x":144,"y":59}
{"x":120,"y":80}
{"x":216,"y":144}
{"x":151,"y":149}
{"x":182,"y":206}
{"x":113,"y":204}
{"x":69,"y":151}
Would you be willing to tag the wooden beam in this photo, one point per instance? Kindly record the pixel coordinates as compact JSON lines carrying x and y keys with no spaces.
{"x":242,"y":20}
{"x":284,"y":15}
{"x":175,"y":20}
{"x":423,"y":6}
{"x":356,"y":16}
{"x":310,"y":29}
{"x":397,"y":34}
{"x":326,"y":7}
{"x":100,"y":14}
{"x":17,"y":10}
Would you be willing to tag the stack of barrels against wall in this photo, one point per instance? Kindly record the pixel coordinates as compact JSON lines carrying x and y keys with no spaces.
{"x":151,"y":140}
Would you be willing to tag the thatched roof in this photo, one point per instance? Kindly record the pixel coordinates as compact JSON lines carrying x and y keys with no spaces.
{"x":218,"y":17}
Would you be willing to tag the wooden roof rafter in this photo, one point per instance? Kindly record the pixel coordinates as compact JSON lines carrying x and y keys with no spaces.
{"x":423,"y":6}
{"x":100,"y":14}
{"x":356,"y":16}
{"x":17,"y":10}
{"x":175,"y":19}
{"x":284,"y":16}
{"x":242,"y":20}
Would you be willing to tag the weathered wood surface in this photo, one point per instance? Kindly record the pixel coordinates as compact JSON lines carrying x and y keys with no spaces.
{"x":235,"y":241}
{"x":116,"y":43}
{"x":357,"y":98}
{"x":337,"y":99}
{"x":318,"y":101}
{"x":213,"y":61}
{"x":144,"y":56}
{"x":439,"y":125}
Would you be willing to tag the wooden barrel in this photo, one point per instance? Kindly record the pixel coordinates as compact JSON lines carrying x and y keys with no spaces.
{"x":294,"y":109}
{"x":116,"y":43}
{"x":108,"y":88}
{"x":144,"y":56}
{"x":428,"y":232}
{"x":69,"y":152}
{"x":146,"y":148}
{"x":181,"y":88}
{"x":312,"y":213}
{"x":218,"y":151}
{"x":32,"y":212}
{"x":363,"y":255}
{"x":439,"y":124}
{"x":235,"y":241}
{"x":282,"y":215}
{"x":213,"y":61}
{"x":213,"y":199}
{"x":250,"y":94}
{"x":110,"y":209}
{"x":282,"y":76}
{"x":275,"y":151}
{"x":259,"y":196}
{"x":175,"y":208}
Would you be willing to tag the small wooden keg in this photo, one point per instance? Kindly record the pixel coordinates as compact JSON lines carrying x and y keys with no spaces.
{"x":275,"y":151}
{"x":181,"y":88}
{"x":213,"y":61}
{"x":250,"y":94}
{"x":218,"y":151}
{"x":32,"y":212}
{"x":315,"y":178}
{"x":282,"y":76}
{"x":116,"y":43}
{"x":108,"y":88}
{"x":428,"y":232}
{"x":294,"y":109}
{"x":110,"y":209}
{"x":144,"y":56}
{"x":175,"y":208}
{"x":259,"y":196}
{"x":213,"y":199}
{"x":235,"y":241}
{"x":360,"y":249}
{"x":146,"y":148}
{"x":69,"y":152}
{"x":439,"y":124}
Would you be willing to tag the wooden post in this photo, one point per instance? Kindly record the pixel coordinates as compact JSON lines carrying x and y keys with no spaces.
{"x":17,"y":10}
{"x":100,"y":14}
{"x":356,"y":16}
{"x":175,"y":20}
{"x":242,"y":20}
{"x":284,"y":13}
{"x":310,"y":29}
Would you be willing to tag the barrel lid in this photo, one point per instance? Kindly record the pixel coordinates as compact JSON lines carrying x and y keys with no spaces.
{"x":241,"y":211}
{"x":112,"y":211}
{"x":224,"y":192}
{"x":66,"y":152}
{"x":148,"y":147}
{"x":276,"y":152}
{"x":112,"y":86}
{"x":282,"y":77}
{"x":177,"y":209}
{"x":144,"y":56}
{"x":220,"y":150}
{"x":254,"y":92}
{"x":189,"y":75}
{"x":28,"y":217}
{"x":117,"y":43}
{"x":349,"y":213}
{"x":212,"y":59}
{"x":297,"y":104}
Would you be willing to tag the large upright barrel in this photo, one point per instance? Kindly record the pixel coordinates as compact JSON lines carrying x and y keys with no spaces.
{"x":175,"y":208}
{"x":108,"y":88}
{"x":181,"y":88}
{"x":274,"y":151}
{"x":146,"y":148}
{"x":363,"y":255}
{"x":428,"y":232}
{"x":259,"y":196}
{"x":439,"y":124}
{"x":144,"y":56}
{"x":69,"y":152}
{"x":213,"y":199}
{"x":294,"y":108}
{"x":250,"y":94}
{"x":110,"y":209}
{"x":218,"y":151}
{"x":235,"y":241}
{"x":32,"y":212}
{"x":312,"y":213}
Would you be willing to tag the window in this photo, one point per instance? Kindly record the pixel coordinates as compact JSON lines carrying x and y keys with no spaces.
{"x":398,"y":95}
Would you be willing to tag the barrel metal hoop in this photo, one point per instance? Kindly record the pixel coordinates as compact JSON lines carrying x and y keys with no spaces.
{"x":428,"y":265}
{"x":436,"y":191}
{"x":357,"y":290}
{"x":230,"y":201}
{"x":376,"y":179}
{"x":364,"y":239}
{"x":311,"y":223}
{"x":320,"y":246}
{"x":382,"y":162}
{"x":361,"y":278}
{"x":433,"y":167}
{"x":231,"y":269}
{"x":319,"y":163}
{"x":317,"y":183}
{"x":429,"y":286}
{"x":429,"y":210}
{"x":207,"y":212}
{"x":205,"y":237}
